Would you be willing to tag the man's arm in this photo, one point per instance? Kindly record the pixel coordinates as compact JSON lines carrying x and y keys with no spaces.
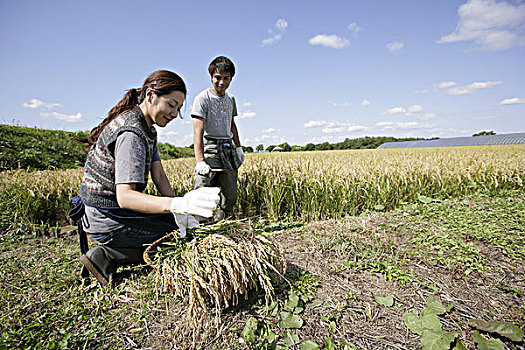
{"x":235,"y":134}
{"x":198,"y":135}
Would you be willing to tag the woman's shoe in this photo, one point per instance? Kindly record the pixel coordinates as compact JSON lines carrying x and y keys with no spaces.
{"x":94,"y":270}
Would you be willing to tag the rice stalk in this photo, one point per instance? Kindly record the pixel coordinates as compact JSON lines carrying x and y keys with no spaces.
{"x":218,"y":268}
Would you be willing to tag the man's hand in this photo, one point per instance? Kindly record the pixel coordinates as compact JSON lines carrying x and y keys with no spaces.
{"x":202,"y":168}
{"x":240,"y":154}
{"x":202,"y":201}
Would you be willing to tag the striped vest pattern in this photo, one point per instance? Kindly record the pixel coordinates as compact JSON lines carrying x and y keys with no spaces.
{"x":98,"y":187}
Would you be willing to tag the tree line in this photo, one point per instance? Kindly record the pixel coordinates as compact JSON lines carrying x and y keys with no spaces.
{"x":367,"y":142}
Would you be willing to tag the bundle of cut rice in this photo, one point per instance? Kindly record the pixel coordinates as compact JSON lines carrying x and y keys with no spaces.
{"x":221,"y":263}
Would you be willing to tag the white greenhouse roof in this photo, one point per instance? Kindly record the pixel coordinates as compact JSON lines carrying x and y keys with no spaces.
{"x":484,"y":140}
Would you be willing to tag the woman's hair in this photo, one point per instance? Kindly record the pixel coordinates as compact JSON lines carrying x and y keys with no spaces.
{"x":161,"y":82}
{"x":221,"y":64}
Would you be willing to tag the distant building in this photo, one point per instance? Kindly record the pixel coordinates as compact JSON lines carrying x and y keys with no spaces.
{"x":484,"y":140}
{"x":277,"y":149}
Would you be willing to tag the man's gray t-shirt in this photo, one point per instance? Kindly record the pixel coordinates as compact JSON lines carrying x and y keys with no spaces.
{"x":130,"y":160}
{"x":217,"y":112}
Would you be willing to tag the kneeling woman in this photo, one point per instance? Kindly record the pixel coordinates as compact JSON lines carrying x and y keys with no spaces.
{"x":123,"y":153}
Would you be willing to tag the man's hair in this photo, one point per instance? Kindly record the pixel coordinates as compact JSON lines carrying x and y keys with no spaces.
{"x":222,"y":64}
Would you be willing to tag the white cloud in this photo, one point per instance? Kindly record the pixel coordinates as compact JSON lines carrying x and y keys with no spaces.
{"x":365,"y":103}
{"x":512,"y":101}
{"x":391,"y":126}
{"x":34,"y":103}
{"x":395,"y":110}
{"x":471,"y":88}
{"x":333,"y":127}
{"x":75,"y":118}
{"x":414,"y":109}
{"x":271,"y":40}
{"x":163,"y":132}
{"x":246,"y":115}
{"x":384,"y":124}
{"x":343,"y":127}
{"x":341,"y":104}
{"x":426,"y":116}
{"x":354,"y":28}
{"x":270,"y":130}
{"x":281,"y":26}
{"x":332,"y":41}
{"x":247,"y":104}
{"x":333,"y":130}
{"x":446,"y":84}
{"x":264,"y":138}
{"x":315,"y":123}
{"x":492,"y":25}
{"x":395,"y":46}
{"x":353,"y":128}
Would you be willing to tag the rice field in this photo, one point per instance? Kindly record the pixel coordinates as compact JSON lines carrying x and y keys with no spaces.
{"x":454,"y":243}
{"x":301,"y":185}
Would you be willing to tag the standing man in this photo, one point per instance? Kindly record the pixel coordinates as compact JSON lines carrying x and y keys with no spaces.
{"x":218,"y":151}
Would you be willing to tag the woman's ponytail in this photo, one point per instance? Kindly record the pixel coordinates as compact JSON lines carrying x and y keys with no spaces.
{"x":130,"y":100}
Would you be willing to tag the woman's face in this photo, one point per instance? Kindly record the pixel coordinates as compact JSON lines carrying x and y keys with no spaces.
{"x":163,"y":109}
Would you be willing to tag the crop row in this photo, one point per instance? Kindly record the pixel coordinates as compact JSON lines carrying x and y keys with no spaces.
{"x":302,"y":185}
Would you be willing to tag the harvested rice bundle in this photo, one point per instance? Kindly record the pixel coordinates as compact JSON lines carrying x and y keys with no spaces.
{"x":221,"y":263}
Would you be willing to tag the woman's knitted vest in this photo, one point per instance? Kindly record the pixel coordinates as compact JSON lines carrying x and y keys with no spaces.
{"x":98,"y":187}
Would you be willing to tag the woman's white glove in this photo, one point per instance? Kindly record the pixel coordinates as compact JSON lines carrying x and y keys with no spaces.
{"x":240,"y":154}
{"x":202,"y":168}
{"x":185,"y":222}
{"x":202,"y":201}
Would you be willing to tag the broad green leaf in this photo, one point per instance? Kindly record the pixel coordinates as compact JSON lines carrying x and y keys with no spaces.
{"x":387,"y":301}
{"x":505,"y":329}
{"x":413,"y":322}
{"x":379,"y":207}
{"x":317,"y":303}
{"x":290,"y":338}
{"x":298,"y":310}
{"x":294,"y":336}
{"x":273,"y":309}
{"x":248,"y":333}
{"x":459,"y":346}
{"x":309,"y":345}
{"x":293,"y":300}
{"x":437,"y":340}
{"x":434,"y":303}
{"x":270,"y":336}
{"x":429,"y":320}
{"x":484,"y":344}
{"x":289,"y":320}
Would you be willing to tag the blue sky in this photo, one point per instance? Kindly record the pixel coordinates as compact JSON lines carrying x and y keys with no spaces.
{"x":307,"y":71}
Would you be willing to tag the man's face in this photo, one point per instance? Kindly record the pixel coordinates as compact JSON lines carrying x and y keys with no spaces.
{"x":220,"y":82}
